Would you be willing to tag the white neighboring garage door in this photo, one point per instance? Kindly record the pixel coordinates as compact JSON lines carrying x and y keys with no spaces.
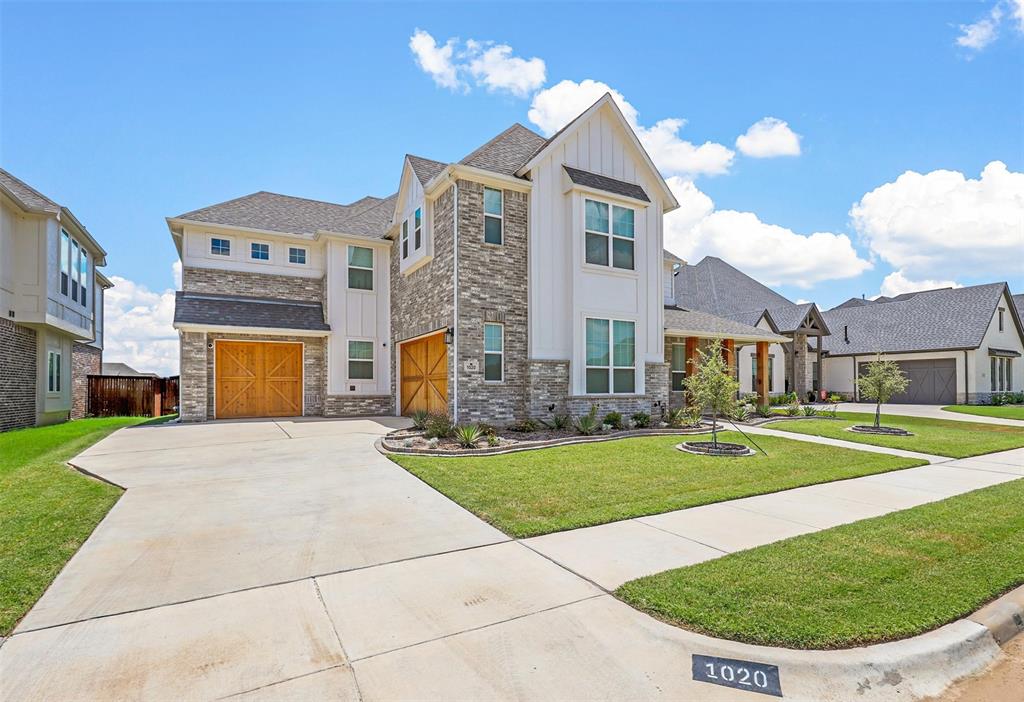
{"x":932,"y":382}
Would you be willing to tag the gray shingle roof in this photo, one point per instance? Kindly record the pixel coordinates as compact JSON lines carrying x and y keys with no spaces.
{"x":289,"y":215}
{"x":507,"y":152}
{"x":609,"y":185}
{"x":933,"y":320}
{"x":28,"y":196}
{"x":1018,"y":302}
{"x":240,"y":311}
{"x":425,"y":168}
{"x":713,"y":286}
{"x":679,"y":319}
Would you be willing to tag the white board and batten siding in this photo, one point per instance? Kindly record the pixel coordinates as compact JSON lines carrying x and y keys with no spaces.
{"x":564,"y":290}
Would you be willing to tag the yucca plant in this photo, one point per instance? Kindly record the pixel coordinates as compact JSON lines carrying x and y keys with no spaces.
{"x":468,"y":435}
{"x":809,"y":411}
{"x":419,"y":419}
{"x":586,"y":424}
{"x":560,"y":421}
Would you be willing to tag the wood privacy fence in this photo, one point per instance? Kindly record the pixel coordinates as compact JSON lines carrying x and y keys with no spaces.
{"x":132,"y":396}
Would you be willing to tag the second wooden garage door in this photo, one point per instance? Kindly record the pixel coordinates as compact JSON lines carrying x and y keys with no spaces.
{"x":425,"y":375}
{"x":258,"y":379}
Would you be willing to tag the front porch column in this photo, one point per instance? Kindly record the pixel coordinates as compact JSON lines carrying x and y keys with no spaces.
{"x":729,"y":355}
{"x":762,"y":372}
{"x":800,"y":366}
{"x":820,"y":378}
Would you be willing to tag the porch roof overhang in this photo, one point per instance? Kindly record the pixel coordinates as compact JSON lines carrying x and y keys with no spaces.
{"x":242,"y":314}
{"x":701,"y":325}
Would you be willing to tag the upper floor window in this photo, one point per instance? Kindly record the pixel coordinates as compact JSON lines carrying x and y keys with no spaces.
{"x":609,"y":240}
{"x":494,"y":352}
{"x":259,"y":252}
{"x":360,"y":360}
{"x":75,"y":254}
{"x":220,"y":247}
{"x":405,"y":239}
{"x":417,"y":224}
{"x":65,"y":262}
{"x":492,"y":216}
{"x":53,"y":363}
{"x":610,"y":356}
{"x":1001,"y":311}
{"x":83,"y":276}
{"x":360,"y":268}
{"x":296,"y":255}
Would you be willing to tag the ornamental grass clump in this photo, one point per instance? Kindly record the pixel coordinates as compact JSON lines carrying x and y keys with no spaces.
{"x":468,"y":435}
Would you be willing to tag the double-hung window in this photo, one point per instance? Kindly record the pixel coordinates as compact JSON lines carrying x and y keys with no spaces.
{"x":53,"y":371}
{"x":405,"y":239}
{"x":65,"y":261}
{"x":75,"y":249}
{"x":83,"y":276}
{"x":609,"y":239}
{"x":494,"y":352}
{"x":771,"y":372}
{"x":360,"y":360}
{"x":1002,"y":374}
{"x":417,"y":225}
{"x":610,"y":356}
{"x":493,"y":217}
{"x":220,"y":247}
{"x":296,"y":255}
{"x":360,"y":268}
{"x":678,"y":367}
{"x":259,"y":252}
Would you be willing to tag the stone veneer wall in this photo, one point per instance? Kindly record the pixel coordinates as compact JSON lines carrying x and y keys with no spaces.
{"x":359,"y":406}
{"x":85,"y":360}
{"x":654,"y":401}
{"x":422,"y":301}
{"x":285,"y":287}
{"x":17,"y":375}
{"x":547,"y":384}
{"x":192,"y":376}
{"x":493,"y":280}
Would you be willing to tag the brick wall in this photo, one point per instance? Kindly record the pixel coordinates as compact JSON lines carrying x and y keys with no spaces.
{"x":359,"y":406}
{"x":547,"y":383}
{"x":656,"y":391}
{"x":17,"y":375}
{"x":85,"y":360}
{"x":286,"y":287}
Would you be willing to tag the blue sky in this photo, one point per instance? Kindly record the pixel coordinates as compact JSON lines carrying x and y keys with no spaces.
{"x":131,"y":112}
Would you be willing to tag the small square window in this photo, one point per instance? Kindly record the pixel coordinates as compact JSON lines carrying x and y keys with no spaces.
{"x":296,"y":255}
{"x":259,"y":252}
{"x":360,"y":360}
{"x":220,"y":247}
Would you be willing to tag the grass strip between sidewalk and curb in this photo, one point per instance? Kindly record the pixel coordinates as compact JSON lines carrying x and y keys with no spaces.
{"x":553,"y":489}
{"x":998,"y":411}
{"x":47,"y":509}
{"x":876,"y":580}
{"x":938,"y":437}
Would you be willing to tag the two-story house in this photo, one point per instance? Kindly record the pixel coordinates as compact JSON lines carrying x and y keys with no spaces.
{"x":524,"y":279}
{"x":51,"y":308}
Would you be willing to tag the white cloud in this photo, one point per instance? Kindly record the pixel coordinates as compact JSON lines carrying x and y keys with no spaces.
{"x":137,"y":326}
{"x":767,"y":138}
{"x":896,"y":284}
{"x":497,"y":69}
{"x":770,"y":253}
{"x":434,"y":60}
{"x":944,"y":225}
{"x":978,"y":35}
{"x":556,"y":106}
{"x":491,"y":66}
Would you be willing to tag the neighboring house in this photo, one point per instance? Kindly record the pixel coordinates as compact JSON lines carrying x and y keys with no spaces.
{"x":1018,"y":302}
{"x":124,"y":370}
{"x":51,"y":308}
{"x":525,"y":279}
{"x":715,"y":287}
{"x":956,"y":344}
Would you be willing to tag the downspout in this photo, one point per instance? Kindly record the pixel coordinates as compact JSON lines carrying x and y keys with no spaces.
{"x":455,"y":305}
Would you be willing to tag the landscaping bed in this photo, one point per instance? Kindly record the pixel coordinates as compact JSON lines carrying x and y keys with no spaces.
{"x":876,"y":580}
{"x":565,"y":487}
{"x":46,"y":508}
{"x":938,"y":437}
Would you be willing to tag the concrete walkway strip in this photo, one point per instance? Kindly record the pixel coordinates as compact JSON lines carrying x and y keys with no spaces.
{"x":826,"y":441}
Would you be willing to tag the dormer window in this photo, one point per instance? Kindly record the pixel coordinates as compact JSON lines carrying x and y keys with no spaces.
{"x":493,"y":220}
{"x":405,"y":239}
{"x":609,"y":241}
{"x":418,"y":227}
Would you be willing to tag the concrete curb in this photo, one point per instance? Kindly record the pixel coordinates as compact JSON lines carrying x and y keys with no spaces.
{"x":1004,"y":617}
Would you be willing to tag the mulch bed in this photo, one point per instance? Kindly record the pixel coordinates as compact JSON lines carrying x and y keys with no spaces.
{"x":708,"y":448}
{"x":883,"y":431}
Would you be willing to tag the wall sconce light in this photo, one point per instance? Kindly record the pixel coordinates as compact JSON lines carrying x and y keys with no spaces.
{"x":551,"y":407}
{"x":449,"y":335}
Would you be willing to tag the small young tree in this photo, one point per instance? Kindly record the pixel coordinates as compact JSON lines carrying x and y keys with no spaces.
{"x":882,"y":380}
{"x":711,"y":385}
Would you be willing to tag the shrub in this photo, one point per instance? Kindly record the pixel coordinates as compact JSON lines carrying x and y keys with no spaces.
{"x":492,"y":440}
{"x":793,"y":408}
{"x":613,"y":420}
{"x":740,"y":414}
{"x":432,"y":443}
{"x":419,"y":419}
{"x":835,"y":398}
{"x":525,"y":426}
{"x":560,"y":421}
{"x":487,"y":429}
{"x":997,"y":400}
{"x":689,"y":416}
{"x":764,"y":410}
{"x":467,"y":435}
{"x":641,"y":420}
{"x":438,"y":426}
{"x":587,"y":424}
{"x":809,"y":411}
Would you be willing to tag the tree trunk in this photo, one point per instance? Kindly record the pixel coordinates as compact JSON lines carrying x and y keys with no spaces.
{"x":714,"y":428}
{"x":878,"y":414}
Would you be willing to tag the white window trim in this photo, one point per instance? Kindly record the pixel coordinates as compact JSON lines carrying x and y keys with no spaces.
{"x":270,"y":252}
{"x":372,"y":360}
{"x":611,"y":368}
{"x":609,"y":267}
{"x":494,"y":353}
{"x":349,"y":266}
{"x":500,"y":218}
{"x":304,"y":250}
{"x":209,"y":246}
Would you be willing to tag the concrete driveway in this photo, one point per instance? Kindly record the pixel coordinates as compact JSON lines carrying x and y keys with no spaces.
{"x":289,"y":560}
{"x":927,"y":411}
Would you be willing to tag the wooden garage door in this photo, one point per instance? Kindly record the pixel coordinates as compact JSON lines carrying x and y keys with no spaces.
{"x":258,"y":379}
{"x":932,"y":382}
{"x":425,"y":375}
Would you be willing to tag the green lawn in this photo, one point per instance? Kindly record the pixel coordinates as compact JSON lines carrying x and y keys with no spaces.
{"x":46,"y":508}
{"x":939,"y":437}
{"x":876,"y":580}
{"x":1001,"y":411}
{"x":537,"y":492}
